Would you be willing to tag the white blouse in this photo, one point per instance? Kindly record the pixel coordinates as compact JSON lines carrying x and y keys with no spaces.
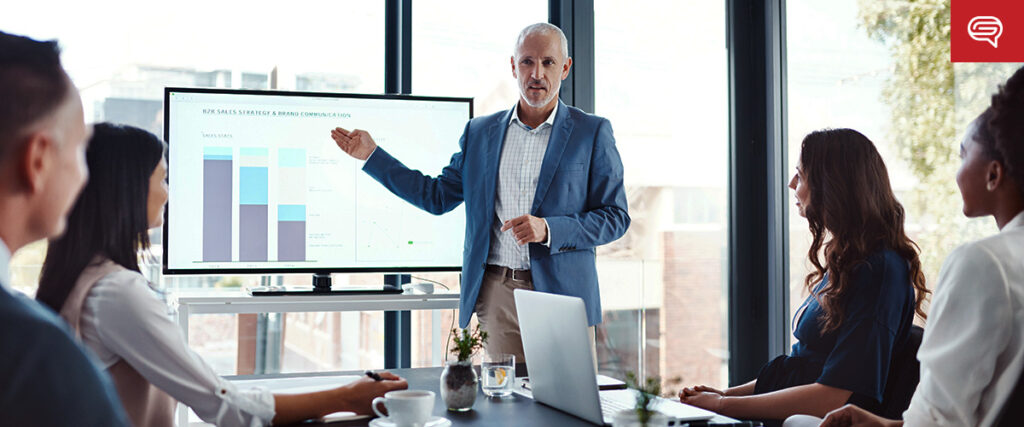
{"x":123,"y":318}
{"x":973,"y":349}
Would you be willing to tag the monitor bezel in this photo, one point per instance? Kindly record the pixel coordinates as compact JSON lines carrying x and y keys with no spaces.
{"x":264,"y":271}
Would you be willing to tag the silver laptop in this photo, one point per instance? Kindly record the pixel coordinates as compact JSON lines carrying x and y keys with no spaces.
{"x":559,"y":359}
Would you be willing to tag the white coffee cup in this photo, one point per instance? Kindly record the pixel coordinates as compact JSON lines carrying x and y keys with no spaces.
{"x":406,"y":408}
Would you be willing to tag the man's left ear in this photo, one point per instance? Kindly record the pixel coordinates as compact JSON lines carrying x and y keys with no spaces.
{"x":566,"y":67}
{"x":994,"y":175}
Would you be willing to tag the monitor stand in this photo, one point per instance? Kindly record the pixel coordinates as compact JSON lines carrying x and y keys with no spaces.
{"x":322,"y":286}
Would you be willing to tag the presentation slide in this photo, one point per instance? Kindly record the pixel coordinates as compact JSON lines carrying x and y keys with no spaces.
{"x":257,"y":183}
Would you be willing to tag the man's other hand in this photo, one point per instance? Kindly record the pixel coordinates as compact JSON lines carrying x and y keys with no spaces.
{"x":527,"y":229}
{"x":357,"y":143}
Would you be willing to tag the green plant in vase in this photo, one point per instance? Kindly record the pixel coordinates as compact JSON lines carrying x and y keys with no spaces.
{"x":643,"y":413}
{"x":459,"y":380}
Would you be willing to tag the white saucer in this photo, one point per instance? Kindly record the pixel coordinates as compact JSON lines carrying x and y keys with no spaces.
{"x":434,"y":421}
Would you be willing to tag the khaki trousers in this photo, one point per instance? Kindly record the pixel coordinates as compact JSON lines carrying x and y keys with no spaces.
{"x":496,"y":312}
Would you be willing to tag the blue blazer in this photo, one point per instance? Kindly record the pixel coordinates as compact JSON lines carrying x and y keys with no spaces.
{"x":579,"y":192}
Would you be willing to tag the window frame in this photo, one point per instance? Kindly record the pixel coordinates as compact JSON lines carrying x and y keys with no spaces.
{"x":758,"y":244}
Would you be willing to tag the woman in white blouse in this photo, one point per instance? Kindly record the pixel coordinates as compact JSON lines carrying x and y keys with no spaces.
{"x":973,"y":350}
{"x":91,"y":276}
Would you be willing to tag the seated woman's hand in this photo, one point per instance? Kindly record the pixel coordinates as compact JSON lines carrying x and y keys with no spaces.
{"x":358,"y":394}
{"x":699,"y":389}
{"x":705,"y":389}
{"x":710,"y":400}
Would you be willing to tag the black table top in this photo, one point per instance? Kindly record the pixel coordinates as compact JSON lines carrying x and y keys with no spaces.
{"x":514,"y":410}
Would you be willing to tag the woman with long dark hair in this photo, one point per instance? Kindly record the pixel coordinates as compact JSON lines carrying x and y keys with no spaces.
{"x":91,"y":276}
{"x":972,"y":355}
{"x":864,"y":290}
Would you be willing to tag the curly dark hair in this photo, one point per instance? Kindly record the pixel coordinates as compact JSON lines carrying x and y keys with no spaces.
{"x":852,"y":214}
{"x":1005,"y":123}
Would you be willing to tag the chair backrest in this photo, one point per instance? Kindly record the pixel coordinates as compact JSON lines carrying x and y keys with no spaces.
{"x":904,"y":374}
{"x":1013,"y":410}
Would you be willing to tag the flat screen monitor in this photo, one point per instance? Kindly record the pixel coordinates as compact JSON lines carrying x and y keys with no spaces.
{"x":257,"y":185}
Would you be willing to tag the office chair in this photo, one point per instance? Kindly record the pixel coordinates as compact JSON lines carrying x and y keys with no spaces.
{"x":904,"y":374}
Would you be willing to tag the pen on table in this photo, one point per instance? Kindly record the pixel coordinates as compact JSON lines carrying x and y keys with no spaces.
{"x":374,"y":375}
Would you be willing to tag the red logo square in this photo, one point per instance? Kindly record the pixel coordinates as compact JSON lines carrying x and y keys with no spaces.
{"x":987,"y":31}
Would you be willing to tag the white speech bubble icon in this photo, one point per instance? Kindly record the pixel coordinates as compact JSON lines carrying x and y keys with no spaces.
{"x":986,"y":29}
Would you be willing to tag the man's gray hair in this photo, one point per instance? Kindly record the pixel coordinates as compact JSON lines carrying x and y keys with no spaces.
{"x":542,"y":28}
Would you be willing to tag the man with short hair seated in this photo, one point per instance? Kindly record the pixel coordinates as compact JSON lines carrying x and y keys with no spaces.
{"x":45,"y":377}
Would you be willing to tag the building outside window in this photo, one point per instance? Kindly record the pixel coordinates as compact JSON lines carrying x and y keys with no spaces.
{"x":661,"y":79}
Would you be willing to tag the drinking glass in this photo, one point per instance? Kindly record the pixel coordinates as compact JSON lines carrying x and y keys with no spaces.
{"x":499,"y":372}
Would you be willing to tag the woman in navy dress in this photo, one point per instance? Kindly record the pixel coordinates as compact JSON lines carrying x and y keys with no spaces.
{"x":864,"y":289}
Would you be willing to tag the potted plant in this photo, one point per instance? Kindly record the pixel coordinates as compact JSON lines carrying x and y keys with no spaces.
{"x":459,"y":380}
{"x":642,"y":414}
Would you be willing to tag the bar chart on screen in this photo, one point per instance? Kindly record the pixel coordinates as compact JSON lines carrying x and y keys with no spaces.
{"x":256,"y":183}
{"x":291,"y":208}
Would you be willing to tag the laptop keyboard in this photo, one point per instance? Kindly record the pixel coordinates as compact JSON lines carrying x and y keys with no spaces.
{"x":611,"y":406}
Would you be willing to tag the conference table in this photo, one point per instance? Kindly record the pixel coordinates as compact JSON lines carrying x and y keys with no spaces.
{"x":514,"y":410}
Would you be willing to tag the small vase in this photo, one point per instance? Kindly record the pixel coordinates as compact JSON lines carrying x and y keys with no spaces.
{"x":629,"y":418}
{"x":458,"y":386}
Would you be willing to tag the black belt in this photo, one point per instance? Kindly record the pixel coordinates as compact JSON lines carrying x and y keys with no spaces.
{"x":517,"y":275}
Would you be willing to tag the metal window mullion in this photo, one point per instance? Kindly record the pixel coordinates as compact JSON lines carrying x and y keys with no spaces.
{"x":576,"y":19}
{"x":758,"y":256}
{"x":397,"y":80}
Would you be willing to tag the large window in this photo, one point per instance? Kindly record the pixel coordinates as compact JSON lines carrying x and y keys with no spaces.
{"x":883,"y":68}
{"x":661,"y":81}
{"x":463,"y":47}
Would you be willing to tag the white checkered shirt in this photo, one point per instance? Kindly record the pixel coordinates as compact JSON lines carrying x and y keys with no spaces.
{"x":521,"y":159}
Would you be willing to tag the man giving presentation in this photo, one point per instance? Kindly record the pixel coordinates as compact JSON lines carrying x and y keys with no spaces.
{"x":542,"y":183}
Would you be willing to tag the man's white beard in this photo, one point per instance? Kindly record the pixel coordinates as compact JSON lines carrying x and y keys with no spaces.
{"x":541,"y":103}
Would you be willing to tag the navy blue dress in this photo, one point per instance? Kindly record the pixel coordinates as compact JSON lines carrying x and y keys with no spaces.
{"x":856,"y":356}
